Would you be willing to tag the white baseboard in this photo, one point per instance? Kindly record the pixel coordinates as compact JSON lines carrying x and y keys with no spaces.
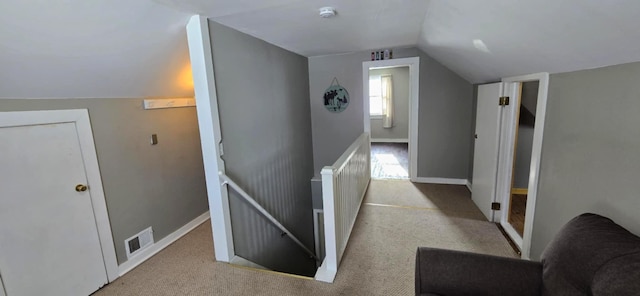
{"x":468,"y":185}
{"x":449,"y":181}
{"x":161,"y":244}
{"x":389,"y":140}
{"x":324,"y":274}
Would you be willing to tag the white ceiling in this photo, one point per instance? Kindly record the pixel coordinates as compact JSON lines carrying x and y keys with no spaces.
{"x":525,"y":37}
{"x":295,"y":24}
{"x":92,"y":49}
{"x":138,"y":48}
{"x":521,"y":37}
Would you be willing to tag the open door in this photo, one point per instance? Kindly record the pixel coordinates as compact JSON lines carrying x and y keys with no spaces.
{"x":487,"y":141}
{"x":503,"y":131}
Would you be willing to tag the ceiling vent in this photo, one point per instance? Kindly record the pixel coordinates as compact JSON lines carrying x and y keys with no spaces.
{"x":327,"y":12}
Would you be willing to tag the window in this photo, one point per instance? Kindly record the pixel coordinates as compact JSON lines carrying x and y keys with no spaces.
{"x":375,"y":96}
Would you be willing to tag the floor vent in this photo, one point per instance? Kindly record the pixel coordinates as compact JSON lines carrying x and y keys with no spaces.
{"x":138,"y":242}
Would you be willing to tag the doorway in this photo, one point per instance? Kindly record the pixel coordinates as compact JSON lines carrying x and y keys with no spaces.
{"x":390,"y":95}
{"x":389,"y":121}
{"x":523,"y":125}
{"x":522,"y":147}
{"x":53,"y":217}
{"x":508,"y":143}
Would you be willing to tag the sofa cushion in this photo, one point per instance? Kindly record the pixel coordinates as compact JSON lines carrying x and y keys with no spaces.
{"x":620,"y":277}
{"x":583,"y":246}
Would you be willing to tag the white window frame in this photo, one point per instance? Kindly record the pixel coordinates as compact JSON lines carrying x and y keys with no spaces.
{"x":376,"y":115}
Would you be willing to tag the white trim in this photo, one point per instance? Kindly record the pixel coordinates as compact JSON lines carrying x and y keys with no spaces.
{"x":323,"y":274}
{"x":449,"y":181}
{"x":92,"y":170}
{"x":536,"y":153}
{"x":468,"y":184}
{"x":210,"y":134}
{"x":387,"y":140}
{"x":506,"y":139}
{"x":328,"y":268}
{"x":414,"y":94}
{"x":161,"y":244}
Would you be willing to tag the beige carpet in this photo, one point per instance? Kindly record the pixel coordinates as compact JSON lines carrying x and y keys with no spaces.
{"x":379,"y":259}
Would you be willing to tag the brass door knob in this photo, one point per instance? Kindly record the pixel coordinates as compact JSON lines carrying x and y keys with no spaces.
{"x":81,"y":188}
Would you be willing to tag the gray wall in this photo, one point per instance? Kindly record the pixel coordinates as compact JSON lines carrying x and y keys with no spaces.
{"x":266,"y":129}
{"x":444,"y":121}
{"x":530,"y":96}
{"x":522,"y":165}
{"x":400,"y":128}
{"x":334,"y":132}
{"x":446,"y":112}
{"x":161,"y":186}
{"x":590,"y":150}
{"x":529,"y":102}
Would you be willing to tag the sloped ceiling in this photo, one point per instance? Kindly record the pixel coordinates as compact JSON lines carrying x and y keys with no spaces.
{"x":523,"y":37}
{"x":92,"y":49}
{"x":296,"y":25}
{"x":124,"y":48}
{"x":518,"y":36}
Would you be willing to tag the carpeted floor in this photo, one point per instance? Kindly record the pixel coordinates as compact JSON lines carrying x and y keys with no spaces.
{"x":390,"y":160}
{"x":396,"y":217}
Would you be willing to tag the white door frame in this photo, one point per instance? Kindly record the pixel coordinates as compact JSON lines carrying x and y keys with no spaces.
{"x":210,"y":135}
{"x":85,"y":137}
{"x":506,"y":161}
{"x":414,"y":95}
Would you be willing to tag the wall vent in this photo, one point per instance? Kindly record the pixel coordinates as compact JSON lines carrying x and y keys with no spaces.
{"x":138,"y":242}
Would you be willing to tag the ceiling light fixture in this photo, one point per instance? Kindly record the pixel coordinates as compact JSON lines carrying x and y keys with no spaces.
{"x":327,"y":12}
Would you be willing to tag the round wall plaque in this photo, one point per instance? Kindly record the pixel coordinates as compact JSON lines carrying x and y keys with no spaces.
{"x":336,"y":98}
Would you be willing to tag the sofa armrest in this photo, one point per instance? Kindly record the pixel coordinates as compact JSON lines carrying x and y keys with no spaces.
{"x":446,"y":272}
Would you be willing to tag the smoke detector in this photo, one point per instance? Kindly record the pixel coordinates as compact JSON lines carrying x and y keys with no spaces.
{"x":327,"y":12}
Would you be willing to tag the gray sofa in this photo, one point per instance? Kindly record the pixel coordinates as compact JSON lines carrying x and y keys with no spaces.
{"x":591,"y":255}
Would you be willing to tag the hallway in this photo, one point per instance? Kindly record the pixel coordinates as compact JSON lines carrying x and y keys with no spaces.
{"x":389,"y":160}
{"x":396,"y":217}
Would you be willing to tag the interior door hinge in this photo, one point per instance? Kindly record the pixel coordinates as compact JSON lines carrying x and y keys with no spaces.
{"x":495,"y":206}
{"x":503,"y":101}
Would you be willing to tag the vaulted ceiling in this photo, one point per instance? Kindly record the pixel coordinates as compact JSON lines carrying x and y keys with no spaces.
{"x":125,"y":48}
{"x":92,"y":49}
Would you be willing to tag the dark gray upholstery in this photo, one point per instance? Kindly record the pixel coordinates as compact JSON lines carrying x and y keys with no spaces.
{"x":583,"y":246}
{"x":591,"y":255}
{"x":446,"y":272}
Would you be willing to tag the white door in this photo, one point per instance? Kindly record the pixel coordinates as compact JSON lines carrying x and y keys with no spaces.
{"x":485,"y":155}
{"x":49,"y":242}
